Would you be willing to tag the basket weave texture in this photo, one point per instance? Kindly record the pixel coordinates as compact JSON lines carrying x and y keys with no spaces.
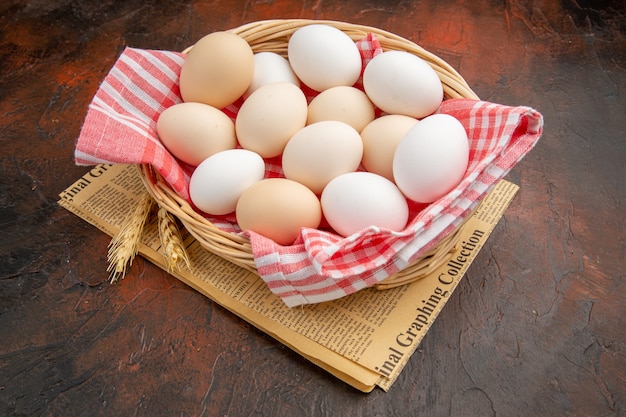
{"x":273,"y":36}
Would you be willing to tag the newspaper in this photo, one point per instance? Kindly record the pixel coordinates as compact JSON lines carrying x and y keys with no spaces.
{"x":364,"y":339}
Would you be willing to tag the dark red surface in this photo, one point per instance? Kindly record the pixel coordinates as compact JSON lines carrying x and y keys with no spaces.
{"x":535,"y":328}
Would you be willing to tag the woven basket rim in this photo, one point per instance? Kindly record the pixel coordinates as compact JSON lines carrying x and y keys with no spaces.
{"x":273,"y":35}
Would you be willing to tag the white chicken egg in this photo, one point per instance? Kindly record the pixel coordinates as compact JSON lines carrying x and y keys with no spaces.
{"x":217,"y":183}
{"x":270,"y":67}
{"x":323,"y":56}
{"x":399,"y":82}
{"x":357,"y":200}
{"x":431,"y":159}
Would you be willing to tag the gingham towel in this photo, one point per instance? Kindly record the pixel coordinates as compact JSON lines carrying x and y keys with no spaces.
{"x":120,"y":127}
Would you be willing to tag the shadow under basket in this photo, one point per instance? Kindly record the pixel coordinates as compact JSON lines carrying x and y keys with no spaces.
{"x":273,"y":36}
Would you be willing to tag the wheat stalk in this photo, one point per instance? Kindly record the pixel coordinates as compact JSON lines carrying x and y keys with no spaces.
{"x":125,"y":244}
{"x":173,"y":248}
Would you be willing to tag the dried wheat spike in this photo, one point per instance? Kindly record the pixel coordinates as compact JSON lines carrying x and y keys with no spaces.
{"x":125,"y":244}
{"x":173,"y":248}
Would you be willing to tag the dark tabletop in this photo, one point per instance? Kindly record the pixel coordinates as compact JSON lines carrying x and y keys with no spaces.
{"x":536,"y":327}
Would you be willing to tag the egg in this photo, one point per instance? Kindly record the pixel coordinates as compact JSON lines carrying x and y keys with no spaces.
{"x":380,"y":139}
{"x":194,"y":131}
{"x":278,"y":208}
{"x":431,"y":159}
{"x":357,"y":200}
{"x":219,"y":180}
{"x":270,"y":67}
{"x":399,"y":82}
{"x":321,"y":151}
{"x":323,"y":56}
{"x":343,"y":103}
{"x":217,"y":70}
{"x":269,"y":117}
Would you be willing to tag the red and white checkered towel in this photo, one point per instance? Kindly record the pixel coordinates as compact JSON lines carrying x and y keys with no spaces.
{"x":120,"y":127}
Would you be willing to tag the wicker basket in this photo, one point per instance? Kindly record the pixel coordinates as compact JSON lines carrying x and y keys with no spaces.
{"x":273,"y":36}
